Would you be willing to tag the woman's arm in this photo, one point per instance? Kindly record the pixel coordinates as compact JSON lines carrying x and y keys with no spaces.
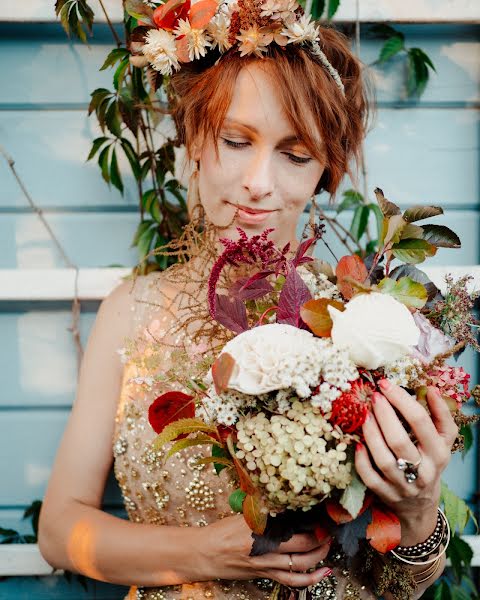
{"x":75,"y":534}
{"x":415,"y":503}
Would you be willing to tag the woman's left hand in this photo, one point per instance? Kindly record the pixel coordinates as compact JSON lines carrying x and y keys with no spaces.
{"x":387,"y":440}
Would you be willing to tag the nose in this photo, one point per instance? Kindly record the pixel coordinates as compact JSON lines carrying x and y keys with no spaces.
{"x":259,"y":178}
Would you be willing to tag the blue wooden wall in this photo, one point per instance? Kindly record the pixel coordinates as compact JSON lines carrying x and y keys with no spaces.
{"x":418,"y":152}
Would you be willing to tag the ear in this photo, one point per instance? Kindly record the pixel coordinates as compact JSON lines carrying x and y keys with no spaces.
{"x":197,"y":149}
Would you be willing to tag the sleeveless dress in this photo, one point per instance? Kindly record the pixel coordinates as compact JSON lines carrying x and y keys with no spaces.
{"x":177,"y":491}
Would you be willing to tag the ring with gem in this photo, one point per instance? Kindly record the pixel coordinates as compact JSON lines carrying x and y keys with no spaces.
{"x":410,"y":469}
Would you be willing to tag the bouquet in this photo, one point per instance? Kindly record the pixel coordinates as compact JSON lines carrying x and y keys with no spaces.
{"x":283,"y":403}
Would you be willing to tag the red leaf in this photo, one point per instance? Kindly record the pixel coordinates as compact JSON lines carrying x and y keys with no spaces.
{"x":384,"y":531}
{"x":168,"y":15}
{"x":222,"y":370}
{"x":315,"y":314}
{"x":202,"y":12}
{"x":170,"y":407}
{"x":354,"y":267}
{"x":301,"y":250}
{"x":253,"y":514}
{"x":293,"y":295}
{"x":251,"y":288}
{"x":231,"y":313}
{"x":339,"y":515}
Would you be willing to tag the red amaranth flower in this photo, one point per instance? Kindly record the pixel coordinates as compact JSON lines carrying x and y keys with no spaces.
{"x":245,"y":250}
{"x":350,"y":410}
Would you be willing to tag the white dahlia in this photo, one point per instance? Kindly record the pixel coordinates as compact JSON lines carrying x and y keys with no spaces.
{"x":160,"y":51}
{"x":197,"y":40}
{"x":302,"y":30}
{"x":218,"y":28}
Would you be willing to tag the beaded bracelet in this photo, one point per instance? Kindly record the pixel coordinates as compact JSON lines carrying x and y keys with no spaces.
{"x":415,"y":552}
{"x":426,"y":547}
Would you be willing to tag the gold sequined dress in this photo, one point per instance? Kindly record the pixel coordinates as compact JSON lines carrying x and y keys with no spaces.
{"x":175,"y":491}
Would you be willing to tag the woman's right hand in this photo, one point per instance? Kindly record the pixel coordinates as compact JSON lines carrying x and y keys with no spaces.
{"x":224,"y":547}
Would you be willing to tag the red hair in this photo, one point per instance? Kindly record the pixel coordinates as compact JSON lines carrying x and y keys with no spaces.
{"x":202,"y":96}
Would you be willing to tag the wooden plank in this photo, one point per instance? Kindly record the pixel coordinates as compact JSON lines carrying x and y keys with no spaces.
{"x":32,"y":55}
{"x":58,"y":284}
{"x":410,"y":153}
{"x":369,"y":10}
{"x":95,"y":284}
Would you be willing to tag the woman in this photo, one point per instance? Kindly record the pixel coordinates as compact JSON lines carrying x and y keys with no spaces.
{"x":266,"y":131}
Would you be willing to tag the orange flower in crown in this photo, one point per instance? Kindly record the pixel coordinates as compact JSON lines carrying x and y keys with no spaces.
{"x":185,"y":31}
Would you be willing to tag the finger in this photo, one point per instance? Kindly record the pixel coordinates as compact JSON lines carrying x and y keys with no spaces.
{"x":298,"y":579}
{"x":441,"y":415}
{"x":300,"y":562}
{"x":384,"y":489}
{"x":300,"y":542}
{"x":380,"y":452}
{"x":392,"y":429}
{"x":414,"y":413}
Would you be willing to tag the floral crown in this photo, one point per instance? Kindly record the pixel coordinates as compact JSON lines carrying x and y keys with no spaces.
{"x":185,"y":31}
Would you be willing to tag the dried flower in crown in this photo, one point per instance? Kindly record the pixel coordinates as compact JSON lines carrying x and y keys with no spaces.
{"x":184,"y":31}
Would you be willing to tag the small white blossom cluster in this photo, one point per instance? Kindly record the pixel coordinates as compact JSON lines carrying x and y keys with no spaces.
{"x":225,"y":408}
{"x":405,"y":371}
{"x":318,"y":284}
{"x":297,"y":458}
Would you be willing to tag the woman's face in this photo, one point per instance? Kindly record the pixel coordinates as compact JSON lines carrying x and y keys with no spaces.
{"x":262,"y":169}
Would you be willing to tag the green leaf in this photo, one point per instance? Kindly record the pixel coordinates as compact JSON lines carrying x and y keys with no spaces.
{"x":381,"y":30}
{"x":114,"y":56}
{"x":180,"y":427}
{"x":97,"y":96}
{"x":442,"y":591}
{"x":392,"y":229}
{"x":441,"y":236}
{"x":411,"y":231}
{"x":467,"y":433}
{"x":144,"y":243}
{"x":405,"y":290}
{"x":97,"y":144}
{"x":359,"y":222}
{"x":103,"y":163}
{"x":353,"y":496}
{"x":115,"y":176}
{"x":413,"y":251}
{"x":391,"y":47}
{"x":456,"y":510}
{"x":199,"y":440}
{"x":112,"y":119}
{"x":132,"y":157}
{"x":418,"y":71}
{"x":120,"y":73}
{"x":139,"y":10}
{"x":219,"y":452}
{"x":460,"y":554}
{"x":236,"y":499}
{"x":378,"y":217}
{"x":332,"y":8}
{"x":208,"y":460}
{"x":351,"y":198}
{"x":418,"y":213}
{"x":318,"y":8}
{"x":142,"y":227}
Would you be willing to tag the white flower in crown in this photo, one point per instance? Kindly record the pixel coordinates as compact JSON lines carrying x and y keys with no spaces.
{"x":197,"y":39}
{"x":279,"y":9}
{"x":161,"y":52}
{"x":253,"y":41}
{"x":218,"y":28}
{"x":302,"y":30}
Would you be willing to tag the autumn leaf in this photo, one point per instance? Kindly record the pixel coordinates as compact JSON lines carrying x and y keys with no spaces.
{"x":201,"y":13}
{"x":167,"y":15}
{"x":315,"y":314}
{"x":405,"y":290}
{"x":384,"y":531}
{"x":254,"y":516}
{"x":246,"y":484}
{"x":200,"y":440}
{"x":222,"y":370}
{"x":182,"y":426}
{"x":354,"y":267}
{"x":389,"y":209}
{"x":293,"y":295}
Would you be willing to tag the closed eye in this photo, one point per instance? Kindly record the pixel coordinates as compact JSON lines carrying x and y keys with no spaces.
{"x":298,"y":160}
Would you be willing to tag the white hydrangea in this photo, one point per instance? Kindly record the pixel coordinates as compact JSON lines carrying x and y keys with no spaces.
{"x":297,"y":458}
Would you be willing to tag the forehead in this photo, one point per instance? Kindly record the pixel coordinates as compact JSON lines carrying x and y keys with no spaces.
{"x":257,"y":102}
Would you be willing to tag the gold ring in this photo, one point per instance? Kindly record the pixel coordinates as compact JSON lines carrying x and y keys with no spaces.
{"x":290,"y":563}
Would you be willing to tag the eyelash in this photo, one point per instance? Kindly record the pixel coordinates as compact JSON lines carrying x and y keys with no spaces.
{"x":297,"y":160}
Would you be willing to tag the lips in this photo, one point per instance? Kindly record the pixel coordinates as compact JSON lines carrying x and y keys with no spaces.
{"x":252,"y":211}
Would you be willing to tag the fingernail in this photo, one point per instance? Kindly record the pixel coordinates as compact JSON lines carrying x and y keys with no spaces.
{"x":326,"y":573}
{"x":384,"y":384}
{"x":358,"y":447}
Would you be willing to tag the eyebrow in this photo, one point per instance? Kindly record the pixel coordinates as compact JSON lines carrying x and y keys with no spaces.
{"x":286,"y":140}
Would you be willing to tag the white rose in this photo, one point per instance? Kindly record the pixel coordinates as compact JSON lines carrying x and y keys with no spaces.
{"x":375,"y":328}
{"x":274,"y":357}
